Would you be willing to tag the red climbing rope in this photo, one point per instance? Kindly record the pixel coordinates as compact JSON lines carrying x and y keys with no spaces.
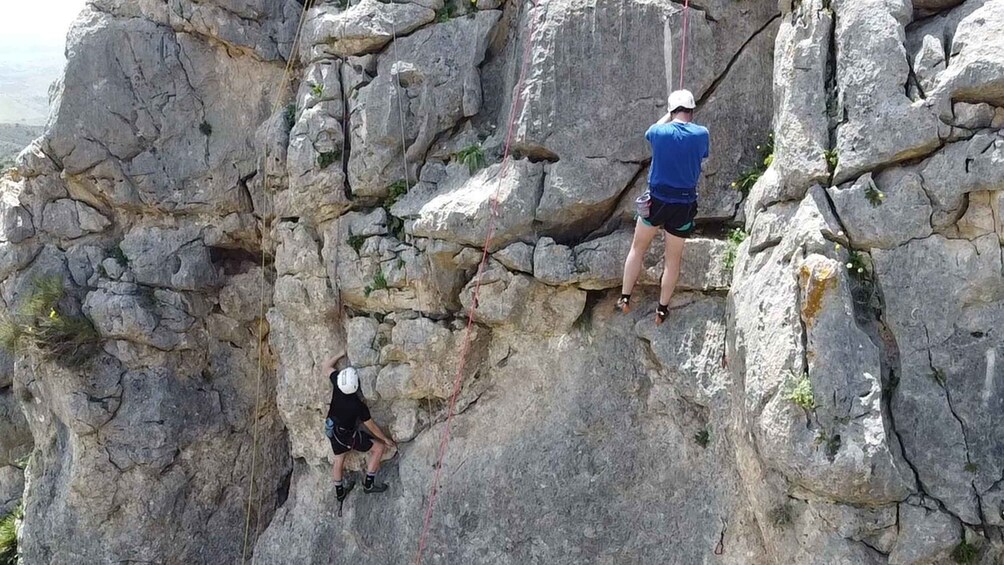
{"x":683,"y":49}
{"x":458,"y":378}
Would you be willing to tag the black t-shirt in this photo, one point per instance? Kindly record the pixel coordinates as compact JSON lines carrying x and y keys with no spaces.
{"x":346,"y":410}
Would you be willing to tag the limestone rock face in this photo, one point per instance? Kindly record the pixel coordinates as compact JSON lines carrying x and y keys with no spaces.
{"x":218,"y":224}
{"x":137,"y":202}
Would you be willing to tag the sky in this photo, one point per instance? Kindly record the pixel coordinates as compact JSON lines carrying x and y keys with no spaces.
{"x":32,"y":46}
{"x":32,"y":28}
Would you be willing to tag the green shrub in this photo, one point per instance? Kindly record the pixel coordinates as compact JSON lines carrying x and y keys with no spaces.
{"x":379,"y":281}
{"x":472,"y":156}
{"x":750,"y":176}
{"x":317,"y":90}
{"x":736,"y":238}
{"x":326,"y":159}
{"x":8,"y":537}
{"x":801,"y":393}
{"x":40,"y":326}
{"x":965,"y":553}
{"x":289,"y":115}
{"x":206,"y":128}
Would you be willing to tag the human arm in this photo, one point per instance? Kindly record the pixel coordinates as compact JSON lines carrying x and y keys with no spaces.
{"x":328,"y":366}
{"x":376,"y":432}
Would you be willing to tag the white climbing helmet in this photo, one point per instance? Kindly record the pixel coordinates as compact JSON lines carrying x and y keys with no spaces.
{"x":681,"y":99}
{"x":348,"y":381}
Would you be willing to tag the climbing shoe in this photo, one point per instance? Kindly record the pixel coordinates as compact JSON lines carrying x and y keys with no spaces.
{"x":343,"y":490}
{"x":660,"y":314}
{"x":375,"y":488}
{"x":624,"y":303}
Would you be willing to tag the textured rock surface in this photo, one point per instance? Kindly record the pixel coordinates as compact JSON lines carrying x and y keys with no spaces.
{"x":827,"y":388}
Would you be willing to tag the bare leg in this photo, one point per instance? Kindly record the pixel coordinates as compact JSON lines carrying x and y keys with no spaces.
{"x":671,"y":269}
{"x":376,"y":453}
{"x":336,"y":469}
{"x":643,"y":235}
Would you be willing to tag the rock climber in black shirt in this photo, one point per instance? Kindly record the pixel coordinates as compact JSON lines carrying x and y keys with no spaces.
{"x":345,"y":415}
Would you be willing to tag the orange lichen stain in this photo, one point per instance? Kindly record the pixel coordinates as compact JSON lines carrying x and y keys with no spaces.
{"x":814,"y":282}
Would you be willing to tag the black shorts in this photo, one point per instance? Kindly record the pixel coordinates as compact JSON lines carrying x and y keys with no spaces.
{"x":676,"y":219}
{"x":344,"y":440}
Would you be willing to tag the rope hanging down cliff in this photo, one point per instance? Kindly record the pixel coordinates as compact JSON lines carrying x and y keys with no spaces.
{"x":276,"y":103}
{"x":514,"y":110}
{"x":489,"y":235}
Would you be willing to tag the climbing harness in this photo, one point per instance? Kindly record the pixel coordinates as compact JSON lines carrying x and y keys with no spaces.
{"x":261,"y":306}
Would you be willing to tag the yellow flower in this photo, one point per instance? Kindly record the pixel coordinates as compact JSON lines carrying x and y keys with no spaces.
{"x":837,"y":247}
{"x":850,"y":265}
{"x":52,"y":314}
{"x":860,"y":270}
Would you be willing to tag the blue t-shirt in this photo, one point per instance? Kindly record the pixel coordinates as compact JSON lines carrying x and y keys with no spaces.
{"x":677,"y":151}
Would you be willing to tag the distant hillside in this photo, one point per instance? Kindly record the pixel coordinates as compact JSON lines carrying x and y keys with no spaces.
{"x":24,"y":85}
{"x":14,"y":138}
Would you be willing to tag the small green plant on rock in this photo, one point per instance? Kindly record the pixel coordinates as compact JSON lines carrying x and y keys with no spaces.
{"x":206,"y":128}
{"x":119,"y":256}
{"x":703,"y":438}
{"x":736,"y":238}
{"x":832,"y":159}
{"x":965,"y":553}
{"x":379,"y":283}
{"x":857,"y":266}
{"x":356,"y":242}
{"x":326,"y":159}
{"x":447,"y":12}
{"x":8,"y":537}
{"x":472,"y":156}
{"x":750,"y":176}
{"x":875,"y":196}
{"x":289,"y":116}
{"x":41,"y":326}
{"x":801,"y":395}
{"x":972,"y":467}
{"x":394,"y":193}
{"x":317,"y":90}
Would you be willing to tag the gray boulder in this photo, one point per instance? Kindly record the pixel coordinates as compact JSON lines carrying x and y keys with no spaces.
{"x":175,"y":258}
{"x":365,"y":27}
{"x":872,"y":70}
{"x":436,"y":70}
{"x":865,"y":205}
{"x":461,"y":214}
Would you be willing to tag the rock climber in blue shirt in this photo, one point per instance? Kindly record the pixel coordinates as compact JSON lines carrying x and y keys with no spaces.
{"x":678,"y":148}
